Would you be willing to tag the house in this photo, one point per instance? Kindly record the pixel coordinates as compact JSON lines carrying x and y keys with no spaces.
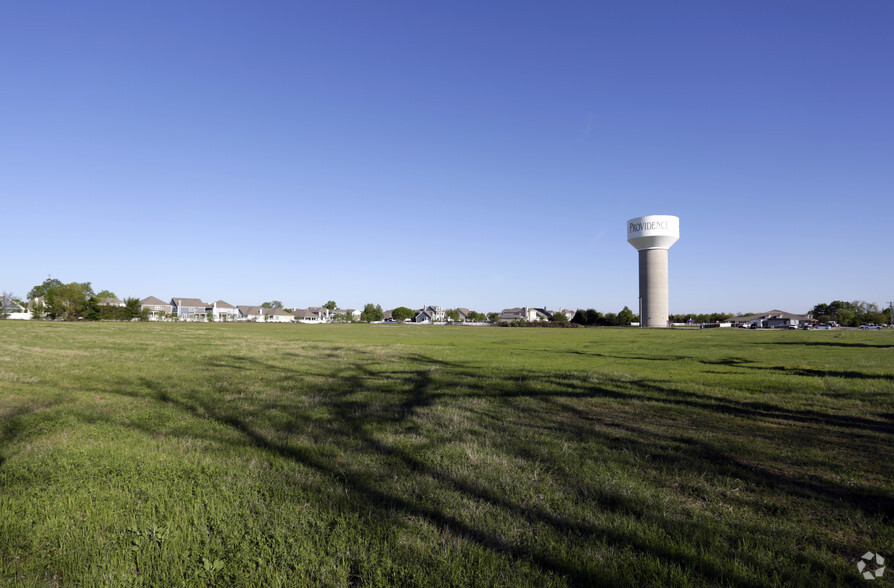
{"x":324,"y":313}
{"x":523,"y":313}
{"x":773,"y":319}
{"x":158,"y":309}
{"x":111,"y":302}
{"x":306,"y":315}
{"x":11,"y":309}
{"x":250,"y":313}
{"x":430,"y":314}
{"x":353,"y":313}
{"x":277,"y":315}
{"x":190,"y":309}
{"x":224,"y":311}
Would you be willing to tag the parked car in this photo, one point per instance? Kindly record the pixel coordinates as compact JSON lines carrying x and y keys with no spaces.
{"x":871,"y":326}
{"x":823,"y":327}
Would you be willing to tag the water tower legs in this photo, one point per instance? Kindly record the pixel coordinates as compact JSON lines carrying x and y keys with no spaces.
{"x":653,"y":287}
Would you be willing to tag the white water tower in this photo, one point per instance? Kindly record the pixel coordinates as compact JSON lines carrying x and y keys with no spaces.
{"x":652,"y":236}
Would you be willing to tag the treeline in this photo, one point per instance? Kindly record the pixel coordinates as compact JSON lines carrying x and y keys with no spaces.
{"x":77,"y":301}
{"x":851,"y":314}
{"x":594,"y":318}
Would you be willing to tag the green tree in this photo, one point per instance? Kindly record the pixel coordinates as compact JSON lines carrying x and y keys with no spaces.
{"x":132,"y":308}
{"x":38,"y":312}
{"x":625,"y":317}
{"x":593,"y":317}
{"x":106,"y":294}
{"x":69,"y":301}
{"x":453,"y":315}
{"x":558,"y":317}
{"x":580,"y":317}
{"x":272,"y":304}
{"x":42,"y":289}
{"x":331,"y":305}
{"x":372,"y":313}
{"x":476,"y":317}
{"x":493,"y":317}
{"x":402,"y":313}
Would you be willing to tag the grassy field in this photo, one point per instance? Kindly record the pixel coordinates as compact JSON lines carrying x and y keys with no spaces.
{"x":185,"y":454}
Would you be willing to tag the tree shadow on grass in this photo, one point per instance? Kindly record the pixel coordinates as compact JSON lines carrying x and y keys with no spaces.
{"x":365,"y":399}
{"x":369,"y":405}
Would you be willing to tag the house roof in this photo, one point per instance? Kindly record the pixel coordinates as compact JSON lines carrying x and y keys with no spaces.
{"x":304,"y":313}
{"x":250,"y":310}
{"x":222,"y":304}
{"x":770,"y":314}
{"x":189,"y":302}
{"x":154,"y":301}
{"x":111,"y":301}
{"x":8,"y":303}
{"x":276,"y":312}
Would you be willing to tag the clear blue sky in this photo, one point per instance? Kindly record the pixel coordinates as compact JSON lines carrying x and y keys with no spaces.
{"x":476,"y":154}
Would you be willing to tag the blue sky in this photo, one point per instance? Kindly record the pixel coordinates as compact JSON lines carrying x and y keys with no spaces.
{"x":483,"y":155}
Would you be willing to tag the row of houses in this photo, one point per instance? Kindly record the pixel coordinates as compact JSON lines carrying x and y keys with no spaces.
{"x":195,"y":309}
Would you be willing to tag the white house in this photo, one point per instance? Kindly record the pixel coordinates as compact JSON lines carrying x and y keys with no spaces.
{"x":224,"y":311}
{"x":250,"y":313}
{"x":430,"y":314}
{"x":12,"y":310}
{"x":522,"y":313}
{"x":307,"y":316}
{"x":277,"y":315}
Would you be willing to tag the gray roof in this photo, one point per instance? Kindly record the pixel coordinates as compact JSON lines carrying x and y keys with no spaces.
{"x":194,"y":302}
{"x":154,"y":301}
{"x":222,"y":304}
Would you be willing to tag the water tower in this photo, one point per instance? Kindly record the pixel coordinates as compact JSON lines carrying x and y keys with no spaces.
{"x":652,"y":236}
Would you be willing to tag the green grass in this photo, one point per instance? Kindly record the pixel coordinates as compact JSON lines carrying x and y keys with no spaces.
{"x":184,"y":454}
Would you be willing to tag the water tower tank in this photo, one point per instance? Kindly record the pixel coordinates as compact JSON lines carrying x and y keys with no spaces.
{"x":652,"y":236}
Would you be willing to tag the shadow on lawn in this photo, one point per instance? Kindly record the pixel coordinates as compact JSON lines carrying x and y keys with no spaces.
{"x":370,"y":405}
{"x":368,"y":402}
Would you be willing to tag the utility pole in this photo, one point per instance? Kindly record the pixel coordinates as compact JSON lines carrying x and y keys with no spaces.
{"x":891,"y":314}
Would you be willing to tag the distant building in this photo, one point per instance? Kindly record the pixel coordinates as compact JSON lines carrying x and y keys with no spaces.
{"x":190,"y":309}
{"x":773,"y":319}
{"x":158,"y":309}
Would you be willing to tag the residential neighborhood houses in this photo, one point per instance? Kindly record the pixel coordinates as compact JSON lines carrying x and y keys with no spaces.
{"x":196,"y":310}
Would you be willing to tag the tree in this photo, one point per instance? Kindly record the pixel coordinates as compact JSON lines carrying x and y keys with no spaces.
{"x":272,"y":304}
{"x":493,"y":317}
{"x":42,"y":289}
{"x":452,"y":315}
{"x":558,"y":317}
{"x":402,"y":313}
{"x":132,"y":308}
{"x":331,"y":305}
{"x":69,"y":301}
{"x":38,"y":311}
{"x":475,"y":317}
{"x":106,"y":294}
{"x":625,"y":317}
{"x":593,"y":317}
{"x":580,"y":317}
{"x":372,"y":313}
